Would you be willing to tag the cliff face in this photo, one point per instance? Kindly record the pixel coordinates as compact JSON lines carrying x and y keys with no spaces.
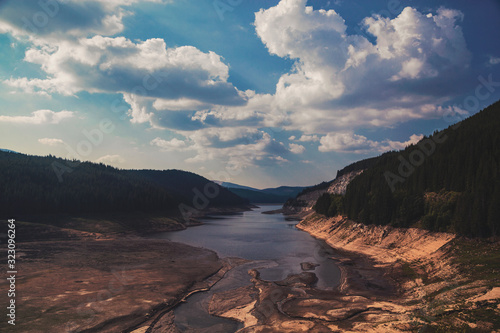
{"x":303,"y":204}
{"x":339,"y":185}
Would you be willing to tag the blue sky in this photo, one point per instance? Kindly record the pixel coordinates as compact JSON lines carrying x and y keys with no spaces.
{"x":261,"y":93}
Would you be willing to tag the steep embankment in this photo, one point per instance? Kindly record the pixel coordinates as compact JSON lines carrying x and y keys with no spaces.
{"x":441,"y":284}
{"x":382,"y":243}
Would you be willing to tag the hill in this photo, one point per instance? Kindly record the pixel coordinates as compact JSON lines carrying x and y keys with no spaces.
{"x":269,"y":195}
{"x":449,"y":181}
{"x":49,"y":185}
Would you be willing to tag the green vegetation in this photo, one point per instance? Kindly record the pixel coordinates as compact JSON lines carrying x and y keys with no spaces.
{"x":320,"y":186}
{"x":449,"y":181}
{"x":31,"y":185}
{"x":329,"y":204}
{"x":482,"y":255}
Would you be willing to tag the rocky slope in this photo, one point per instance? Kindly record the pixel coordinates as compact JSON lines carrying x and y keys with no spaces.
{"x":303,"y":203}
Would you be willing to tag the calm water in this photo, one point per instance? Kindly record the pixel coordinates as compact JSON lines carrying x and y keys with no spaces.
{"x":274,"y":244}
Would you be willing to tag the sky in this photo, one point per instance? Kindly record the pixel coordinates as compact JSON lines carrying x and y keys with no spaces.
{"x":260,"y":93}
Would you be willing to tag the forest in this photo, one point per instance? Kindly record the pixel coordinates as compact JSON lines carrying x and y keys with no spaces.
{"x":35,"y":185}
{"x":449,"y":181}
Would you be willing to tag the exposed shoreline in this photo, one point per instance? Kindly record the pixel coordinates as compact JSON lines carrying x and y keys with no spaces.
{"x":392,"y":280}
{"x":72,"y":280}
{"x":420,"y":265}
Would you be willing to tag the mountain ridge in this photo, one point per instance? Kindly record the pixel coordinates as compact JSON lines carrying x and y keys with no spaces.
{"x":30,"y":185}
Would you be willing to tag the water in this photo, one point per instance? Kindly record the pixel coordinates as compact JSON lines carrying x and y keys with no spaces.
{"x":275,"y":247}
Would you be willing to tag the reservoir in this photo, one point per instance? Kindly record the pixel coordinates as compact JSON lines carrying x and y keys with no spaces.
{"x":272,"y":243}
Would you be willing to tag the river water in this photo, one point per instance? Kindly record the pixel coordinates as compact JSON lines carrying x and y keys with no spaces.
{"x":272,"y":242}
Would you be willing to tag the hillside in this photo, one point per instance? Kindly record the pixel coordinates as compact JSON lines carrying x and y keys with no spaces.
{"x":447,"y":182}
{"x":183,"y":185}
{"x":49,"y":185}
{"x":269,"y":195}
{"x":304,"y":202}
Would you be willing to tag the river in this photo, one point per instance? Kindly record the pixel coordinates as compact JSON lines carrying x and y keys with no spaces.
{"x":272,"y":242}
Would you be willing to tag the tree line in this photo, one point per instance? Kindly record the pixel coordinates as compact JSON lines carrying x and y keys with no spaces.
{"x":28,"y":185}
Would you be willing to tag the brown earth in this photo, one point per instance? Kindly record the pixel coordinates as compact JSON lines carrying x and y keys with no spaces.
{"x":103,"y":286}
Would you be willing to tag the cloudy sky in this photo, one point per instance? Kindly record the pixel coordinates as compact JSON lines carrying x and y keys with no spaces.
{"x":261,"y":93}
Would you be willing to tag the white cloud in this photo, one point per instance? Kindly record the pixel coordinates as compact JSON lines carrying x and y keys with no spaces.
{"x":349,"y":142}
{"x":39,"y":117}
{"x":225,"y":137}
{"x":170,"y":145}
{"x":346,"y":142}
{"x":346,"y":81}
{"x":111,"y":159}
{"x":238,"y":148}
{"x":340,"y":82}
{"x":309,"y":138}
{"x":144,"y":69}
{"x":297,"y":149}
{"x":50,"y":141}
{"x":397,"y":145}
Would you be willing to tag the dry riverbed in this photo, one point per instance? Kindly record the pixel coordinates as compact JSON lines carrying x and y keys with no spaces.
{"x":393,"y":280}
{"x":103,"y":286}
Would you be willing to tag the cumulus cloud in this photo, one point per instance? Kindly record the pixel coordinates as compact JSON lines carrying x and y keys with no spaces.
{"x":349,"y":142}
{"x":296,"y":148}
{"x":39,"y":117}
{"x":50,"y":141}
{"x":342,"y":80}
{"x":339,"y":82}
{"x":111,"y":159}
{"x":309,"y":138}
{"x":143,"y":69}
{"x":169,"y":145}
{"x":238,"y":147}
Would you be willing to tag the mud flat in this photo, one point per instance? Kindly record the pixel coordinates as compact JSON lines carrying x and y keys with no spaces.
{"x":109,"y":285}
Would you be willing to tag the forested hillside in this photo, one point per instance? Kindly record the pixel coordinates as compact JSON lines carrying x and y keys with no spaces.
{"x":269,"y":195}
{"x":30,"y":185}
{"x":449,"y":181}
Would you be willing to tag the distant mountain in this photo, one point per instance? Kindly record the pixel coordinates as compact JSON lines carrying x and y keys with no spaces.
{"x":233,"y":185}
{"x":35,"y":184}
{"x":269,"y":195}
{"x":288,"y":191}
